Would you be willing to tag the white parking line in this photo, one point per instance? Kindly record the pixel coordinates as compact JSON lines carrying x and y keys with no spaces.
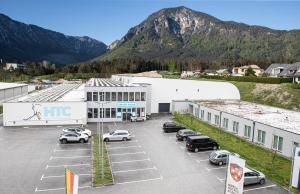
{"x":172,"y":137}
{"x":66,"y":165}
{"x":57,"y":189}
{"x":203,"y":152}
{"x":60,"y":176}
{"x":209,"y":169}
{"x":69,"y":157}
{"x":182,"y":147}
{"x":128,"y":161}
{"x":62,"y":150}
{"x":123,"y":142}
{"x":74,"y":144}
{"x":144,"y":180}
{"x":112,"y":148}
{"x":198,"y":161}
{"x":245,"y":190}
{"x":134,"y":170}
{"x":221,"y":180}
{"x":128,"y":153}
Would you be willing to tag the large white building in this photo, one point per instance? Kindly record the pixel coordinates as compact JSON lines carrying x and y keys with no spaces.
{"x":270,"y":127}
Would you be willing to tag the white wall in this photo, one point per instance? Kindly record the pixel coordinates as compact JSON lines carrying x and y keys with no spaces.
{"x":166,"y":90}
{"x":50,"y":113}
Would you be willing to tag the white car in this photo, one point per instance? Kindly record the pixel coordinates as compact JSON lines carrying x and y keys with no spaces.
{"x":137,"y":119}
{"x":78,"y":130}
{"x":73,"y":137}
{"x":122,"y":135}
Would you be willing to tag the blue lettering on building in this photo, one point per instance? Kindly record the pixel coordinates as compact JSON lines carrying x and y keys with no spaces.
{"x":57,"y":111}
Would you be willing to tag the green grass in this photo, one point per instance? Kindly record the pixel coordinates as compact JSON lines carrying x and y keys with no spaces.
{"x":1,"y":109}
{"x":274,"y":166}
{"x":97,"y":180}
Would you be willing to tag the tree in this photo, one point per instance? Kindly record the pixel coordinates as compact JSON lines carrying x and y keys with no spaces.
{"x":250,"y":72}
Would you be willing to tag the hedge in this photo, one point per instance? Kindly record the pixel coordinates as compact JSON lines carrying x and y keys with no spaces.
{"x":267,"y":80}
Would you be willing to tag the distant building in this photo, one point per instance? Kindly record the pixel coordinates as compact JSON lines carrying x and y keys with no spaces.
{"x":186,"y":74}
{"x":241,"y":71}
{"x":13,"y":66}
{"x":223,"y":72}
{"x":285,"y":70}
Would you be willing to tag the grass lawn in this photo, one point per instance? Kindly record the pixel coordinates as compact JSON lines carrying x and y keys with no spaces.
{"x":97,"y":180}
{"x":1,"y":109}
{"x":274,"y":166}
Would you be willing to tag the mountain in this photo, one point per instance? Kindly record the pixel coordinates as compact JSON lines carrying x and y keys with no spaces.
{"x":184,"y":34}
{"x":22,"y":42}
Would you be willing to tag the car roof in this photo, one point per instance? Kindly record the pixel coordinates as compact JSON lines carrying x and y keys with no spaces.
{"x":222,"y":151}
{"x":121,"y":131}
{"x":185,"y":130}
{"x":199,"y":137}
{"x":70,"y":133}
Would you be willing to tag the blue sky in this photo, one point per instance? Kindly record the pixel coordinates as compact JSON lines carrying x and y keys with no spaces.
{"x":108,"y":20}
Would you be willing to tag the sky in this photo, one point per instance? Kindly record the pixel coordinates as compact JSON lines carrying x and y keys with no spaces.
{"x":109,"y":20}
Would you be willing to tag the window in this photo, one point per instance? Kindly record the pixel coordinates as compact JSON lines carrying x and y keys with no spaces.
{"x":202,"y":114}
{"x":209,"y":117}
{"x":235,"y":127}
{"x":113,"y":96}
{"x":90,"y":113}
{"x":119,"y":114}
{"x":138,"y":112}
{"x":131,"y":96}
{"x":217,"y":119}
{"x":225,"y":123}
{"x":261,"y":136}
{"x":113,"y":113}
{"x":107,"y":113}
{"x":247,"y":131}
{"x":277,"y":143}
{"x":101,"y":112}
{"x":95,"y":96}
{"x":119,"y":96}
{"x":95,"y":112}
{"x":143,"y":96}
{"x":89,"y":96}
{"x":101,"y":96}
{"x":125,"y":96}
{"x":133,"y":113}
{"x":107,"y":96}
{"x":137,"y":96}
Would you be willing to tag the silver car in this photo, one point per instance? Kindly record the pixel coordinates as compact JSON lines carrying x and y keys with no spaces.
{"x":123,"y":135}
{"x":220,"y":157}
{"x":252,"y":176}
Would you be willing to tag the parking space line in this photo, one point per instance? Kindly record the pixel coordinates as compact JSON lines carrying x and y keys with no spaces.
{"x":221,"y":180}
{"x":62,"y":150}
{"x":68,"y":157}
{"x":73,"y":144}
{"x":60,"y":176}
{"x":144,"y":180}
{"x":203,"y":152}
{"x":209,"y":169}
{"x":134,"y":170}
{"x":117,"y":142}
{"x":198,"y":161}
{"x":66,"y":165}
{"x":57,"y":189}
{"x":128,"y":161}
{"x":182,"y":147}
{"x":259,"y":188}
{"x":143,"y":152}
{"x":112,"y":148}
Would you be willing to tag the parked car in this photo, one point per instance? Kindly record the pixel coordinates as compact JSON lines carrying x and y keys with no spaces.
{"x":196,"y":143}
{"x":78,"y":130}
{"x":73,"y":137}
{"x":252,"y":176}
{"x":220,"y":157}
{"x":123,"y":135}
{"x":182,"y":134}
{"x":170,"y":127}
{"x":137,"y":119}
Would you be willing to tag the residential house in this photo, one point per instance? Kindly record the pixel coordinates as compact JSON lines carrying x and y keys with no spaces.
{"x":13,"y":66}
{"x":223,"y":72}
{"x":241,"y":71}
{"x":284,"y":70}
{"x":186,"y":74}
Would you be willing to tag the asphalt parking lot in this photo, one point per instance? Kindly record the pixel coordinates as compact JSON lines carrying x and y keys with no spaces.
{"x":152,"y":162}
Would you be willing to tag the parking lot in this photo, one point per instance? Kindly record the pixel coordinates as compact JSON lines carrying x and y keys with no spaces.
{"x":152,"y":162}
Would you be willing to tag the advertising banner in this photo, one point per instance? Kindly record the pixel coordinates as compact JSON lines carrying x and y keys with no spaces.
{"x":296,"y":169}
{"x":235,"y":175}
{"x":71,"y":182}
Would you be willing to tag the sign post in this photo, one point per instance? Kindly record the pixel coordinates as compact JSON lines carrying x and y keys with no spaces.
{"x":235,"y":175}
{"x":296,"y":169}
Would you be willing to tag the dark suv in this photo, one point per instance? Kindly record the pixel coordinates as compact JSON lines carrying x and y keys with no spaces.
{"x":182,"y":134}
{"x":170,"y":127}
{"x":196,"y":143}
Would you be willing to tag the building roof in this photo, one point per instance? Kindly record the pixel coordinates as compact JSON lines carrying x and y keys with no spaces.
{"x":272,"y":116}
{"x":98,"y":82}
{"x":4,"y":85}
{"x":248,"y":66}
{"x":62,"y":92}
{"x":288,"y":69}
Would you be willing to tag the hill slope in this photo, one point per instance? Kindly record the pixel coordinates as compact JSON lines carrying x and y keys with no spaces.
{"x":183,"y":34}
{"x":19,"y":41}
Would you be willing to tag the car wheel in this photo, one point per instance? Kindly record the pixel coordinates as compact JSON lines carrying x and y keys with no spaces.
{"x":220,"y":163}
{"x":215,"y":148}
{"x":262,"y":181}
{"x":196,"y":150}
{"x":81,"y":140}
{"x":64,"y":141}
{"x":106,"y":140}
{"x":124,"y":139}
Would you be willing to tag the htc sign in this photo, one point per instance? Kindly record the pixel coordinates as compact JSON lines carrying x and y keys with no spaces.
{"x":57,"y":111}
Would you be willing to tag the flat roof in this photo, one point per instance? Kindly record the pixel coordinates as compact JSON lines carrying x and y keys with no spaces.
{"x":99,"y":82}
{"x":4,"y":85}
{"x":62,"y":92}
{"x":272,"y":116}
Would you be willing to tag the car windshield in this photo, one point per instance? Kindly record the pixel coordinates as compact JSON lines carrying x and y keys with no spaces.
{"x":111,"y":133}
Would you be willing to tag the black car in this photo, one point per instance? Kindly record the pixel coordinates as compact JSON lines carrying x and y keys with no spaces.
{"x":182,"y":134}
{"x":170,"y":127}
{"x":196,"y":143}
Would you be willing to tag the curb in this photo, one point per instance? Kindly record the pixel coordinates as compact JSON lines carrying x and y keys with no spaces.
{"x":93,"y":170}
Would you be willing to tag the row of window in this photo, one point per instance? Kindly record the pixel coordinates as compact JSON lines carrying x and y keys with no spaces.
{"x":114,"y":112}
{"x":115,"y":96}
